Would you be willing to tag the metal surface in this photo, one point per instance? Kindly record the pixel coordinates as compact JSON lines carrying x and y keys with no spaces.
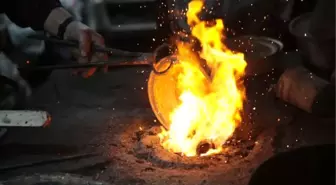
{"x":51,"y":179}
{"x":319,"y":54}
{"x":163,"y":96}
{"x":24,"y":118}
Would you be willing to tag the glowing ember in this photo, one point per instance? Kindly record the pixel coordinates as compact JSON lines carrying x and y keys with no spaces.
{"x":209,"y":110}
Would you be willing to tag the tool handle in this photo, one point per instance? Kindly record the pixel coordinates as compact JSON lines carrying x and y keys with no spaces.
{"x":95,"y":48}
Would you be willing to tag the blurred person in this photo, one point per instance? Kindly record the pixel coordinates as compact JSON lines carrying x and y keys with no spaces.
{"x":16,"y":36}
{"x":323,"y":19}
{"x":52,"y":17}
{"x":16,"y":42}
{"x":249,"y":17}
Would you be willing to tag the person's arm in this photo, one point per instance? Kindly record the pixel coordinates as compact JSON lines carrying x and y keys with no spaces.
{"x":49,"y":15}
{"x":29,"y":13}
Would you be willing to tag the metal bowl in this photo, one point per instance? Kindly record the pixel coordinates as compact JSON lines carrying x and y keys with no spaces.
{"x":261,"y":53}
{"x":319,"y":53}
{"x":163,"y":96}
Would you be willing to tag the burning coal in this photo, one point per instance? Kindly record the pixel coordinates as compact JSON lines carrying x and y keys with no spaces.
{"x":209,"y":109}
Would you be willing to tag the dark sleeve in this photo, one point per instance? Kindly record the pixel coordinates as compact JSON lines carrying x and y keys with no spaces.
{"x":323,"y":19}
{"x":29,"y":13}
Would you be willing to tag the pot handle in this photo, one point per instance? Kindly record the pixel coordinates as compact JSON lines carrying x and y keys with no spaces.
{"x":158,"y":55}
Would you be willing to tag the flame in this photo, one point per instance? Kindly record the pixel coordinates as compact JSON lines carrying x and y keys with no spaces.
{"x":209,"y":109}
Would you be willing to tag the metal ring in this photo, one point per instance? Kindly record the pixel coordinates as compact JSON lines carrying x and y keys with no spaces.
{"x":156,"y":60}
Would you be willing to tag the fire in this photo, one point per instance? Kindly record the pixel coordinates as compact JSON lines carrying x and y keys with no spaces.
{"x":210,"y":108}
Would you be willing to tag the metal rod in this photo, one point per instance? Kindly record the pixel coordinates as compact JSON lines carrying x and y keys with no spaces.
{"x":95,"y":48}
{"x":48,"y":161}
{"x":89,"y":65}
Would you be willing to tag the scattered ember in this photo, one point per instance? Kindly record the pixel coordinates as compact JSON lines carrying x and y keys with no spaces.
{"x":209,"y":109}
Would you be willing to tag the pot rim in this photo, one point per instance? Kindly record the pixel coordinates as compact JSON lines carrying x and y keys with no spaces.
{"x":295,"y":21}
{"x":275,"y":45}
{"x":164,"y":121}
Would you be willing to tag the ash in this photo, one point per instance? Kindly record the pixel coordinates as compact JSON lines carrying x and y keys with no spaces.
{"x":147,"y":147}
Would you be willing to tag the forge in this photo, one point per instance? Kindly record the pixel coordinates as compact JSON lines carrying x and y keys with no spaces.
{"x":139,"y":151}
{"x":199,"y":100}
{"x":146,"y":146}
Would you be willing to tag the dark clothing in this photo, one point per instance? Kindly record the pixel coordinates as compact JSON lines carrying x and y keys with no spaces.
{"x":322,"y":23}
{"x":28,"y":13}
{"x":311,"y":165}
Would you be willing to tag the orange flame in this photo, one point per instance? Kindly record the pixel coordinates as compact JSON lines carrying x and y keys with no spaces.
{"x":209,"y":109}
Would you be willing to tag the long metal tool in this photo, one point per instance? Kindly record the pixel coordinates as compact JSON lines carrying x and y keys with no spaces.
{"x":142,"y":59}
{"x":95,"y":48}
{"x":136,"y":63}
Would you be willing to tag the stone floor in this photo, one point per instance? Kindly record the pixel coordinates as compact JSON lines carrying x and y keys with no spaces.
{"x":102,"y":113}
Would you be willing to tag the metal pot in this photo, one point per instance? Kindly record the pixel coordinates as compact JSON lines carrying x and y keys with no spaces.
{"x":162,"y":93}
{"x":260,"y":55}
{"x":318,"y":54}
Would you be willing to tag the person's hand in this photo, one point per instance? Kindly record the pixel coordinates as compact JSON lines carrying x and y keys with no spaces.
{"x":86,"y":37}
